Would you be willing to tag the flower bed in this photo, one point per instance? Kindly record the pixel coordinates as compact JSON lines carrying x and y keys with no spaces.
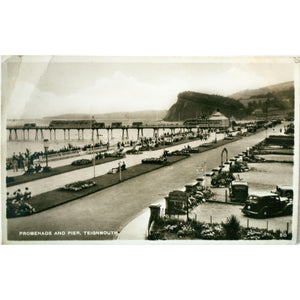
{"x":81,"y":162}
{"x":222,"y":180}
{"x":152,"y":160}
{"x":179,"y":152}
{"x":79,"y":185}
{"x":173,"y":229}
{"x":240,"y":167}
{"x":18,"y":209}
{"x":115,"y":154}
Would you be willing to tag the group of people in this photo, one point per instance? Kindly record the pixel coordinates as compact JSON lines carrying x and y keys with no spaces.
{"x":18,"y":162}
{"x":18,"y":196}
{"x":25,"y":160}
{"x":21,"y":162}
{"x":17,"y":204}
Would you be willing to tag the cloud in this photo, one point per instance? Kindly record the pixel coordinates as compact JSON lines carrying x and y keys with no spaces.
{"x":117,"y":93}
{"x":125,"y":90}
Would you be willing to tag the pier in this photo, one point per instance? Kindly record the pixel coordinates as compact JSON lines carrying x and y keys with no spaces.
{"x":22,"y":132}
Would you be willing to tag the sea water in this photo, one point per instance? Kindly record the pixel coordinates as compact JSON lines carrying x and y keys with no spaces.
{"x":33,"y":145}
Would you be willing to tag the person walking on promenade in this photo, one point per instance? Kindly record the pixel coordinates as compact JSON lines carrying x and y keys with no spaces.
{"x":15,"y":162}
{"x":21,"y":161}
{"x":25,"y":163}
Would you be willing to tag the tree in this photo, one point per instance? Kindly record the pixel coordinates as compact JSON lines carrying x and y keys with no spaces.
{"x":232,"y":228}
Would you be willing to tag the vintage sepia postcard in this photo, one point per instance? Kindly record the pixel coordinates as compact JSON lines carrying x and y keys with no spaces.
{"x":149,"y":150}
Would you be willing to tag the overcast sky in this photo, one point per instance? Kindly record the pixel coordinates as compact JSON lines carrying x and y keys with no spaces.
{"x":35,"y":87}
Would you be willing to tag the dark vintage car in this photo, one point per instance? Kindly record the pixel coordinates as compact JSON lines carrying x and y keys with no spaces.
{"x":266,"y":205}
{"x":238,"y":191}
{"x":284,"y":191}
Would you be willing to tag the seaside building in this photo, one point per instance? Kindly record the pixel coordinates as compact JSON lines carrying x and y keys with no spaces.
{"x":218,"y":120}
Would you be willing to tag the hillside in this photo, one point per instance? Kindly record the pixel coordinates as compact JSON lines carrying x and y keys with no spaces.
{"x":191,"y":105}
{"x":136,"y":115}
{"x":284,"y":88}
{"x":280,"y":99}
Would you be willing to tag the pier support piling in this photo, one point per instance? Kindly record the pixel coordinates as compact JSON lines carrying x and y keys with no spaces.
{"x":16,"y":135}
{"x":108,"y":135}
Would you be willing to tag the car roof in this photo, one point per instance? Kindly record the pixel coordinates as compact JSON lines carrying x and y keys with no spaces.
{"x":239,"y":182}
{"x":193,"y":183}
{"x":263,"y":194}
{"x":284,"y":187}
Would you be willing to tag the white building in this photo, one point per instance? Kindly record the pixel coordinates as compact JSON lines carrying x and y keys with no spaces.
{"x":218,"y":120}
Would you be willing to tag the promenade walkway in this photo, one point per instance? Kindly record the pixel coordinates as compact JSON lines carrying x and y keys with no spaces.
{"x":60,"y":162}
{"x":50,"y":183}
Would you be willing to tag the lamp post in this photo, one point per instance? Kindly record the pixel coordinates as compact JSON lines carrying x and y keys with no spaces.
{"x":46,"y":147}
{"x":267,"y":104}
{"x":93,"y":144}
{"x":120,"y":171}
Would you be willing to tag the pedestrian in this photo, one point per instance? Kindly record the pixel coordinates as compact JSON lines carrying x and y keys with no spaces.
{"x":19,"y":195}
{"x":25,"y":163}
{"x":15,"y":162}
{"x":27,"y":194}
{"x":14,"y":197}
{"x":8,"y":197}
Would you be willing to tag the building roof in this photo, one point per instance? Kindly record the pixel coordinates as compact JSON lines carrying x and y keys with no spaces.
{"x":218,"y":116}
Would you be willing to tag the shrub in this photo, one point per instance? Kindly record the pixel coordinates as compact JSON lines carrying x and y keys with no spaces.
{"x":46,"y":169}
{"x":18,"y":209}
{"x":232,"y":228}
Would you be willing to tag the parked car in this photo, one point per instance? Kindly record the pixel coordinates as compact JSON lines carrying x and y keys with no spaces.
{"x":266,"y":205}
{"x":238,"y":191}
{"x":284,"y":191}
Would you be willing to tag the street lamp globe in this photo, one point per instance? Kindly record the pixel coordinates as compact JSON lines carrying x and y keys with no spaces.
{"x":46,"y":144}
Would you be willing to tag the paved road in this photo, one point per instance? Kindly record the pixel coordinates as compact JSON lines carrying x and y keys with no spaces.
{"x":113,"y":208}
{"x":50,"y":183}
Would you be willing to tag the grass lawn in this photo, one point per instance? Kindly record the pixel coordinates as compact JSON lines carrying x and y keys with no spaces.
{"x":59,"y":196}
